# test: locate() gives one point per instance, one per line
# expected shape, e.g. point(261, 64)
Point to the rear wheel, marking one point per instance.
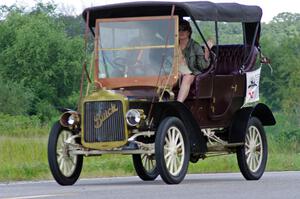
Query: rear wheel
point(145, 166)
point(252, 157)
point(172, 150)
point(65, 168)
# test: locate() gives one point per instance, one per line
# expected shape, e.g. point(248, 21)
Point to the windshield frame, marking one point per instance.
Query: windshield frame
point(140, 81)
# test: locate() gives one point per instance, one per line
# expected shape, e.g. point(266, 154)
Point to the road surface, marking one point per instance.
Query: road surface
point(272, 185)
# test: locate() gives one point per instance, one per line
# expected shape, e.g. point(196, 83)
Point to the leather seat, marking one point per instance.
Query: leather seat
point(230, 60)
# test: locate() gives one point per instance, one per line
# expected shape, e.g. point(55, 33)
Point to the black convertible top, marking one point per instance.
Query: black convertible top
point(200, 10)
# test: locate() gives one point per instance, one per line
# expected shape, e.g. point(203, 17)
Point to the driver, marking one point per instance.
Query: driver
point(192, 59)
point(141, 60)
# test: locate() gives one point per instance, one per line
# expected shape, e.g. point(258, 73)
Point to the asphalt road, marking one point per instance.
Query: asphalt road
point(273, 185)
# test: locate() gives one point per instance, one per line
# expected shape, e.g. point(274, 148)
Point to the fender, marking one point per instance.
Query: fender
point(240, 120)
point(63, 109)
point(178, 109)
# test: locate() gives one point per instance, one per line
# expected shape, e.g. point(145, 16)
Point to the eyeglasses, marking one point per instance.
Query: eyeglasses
point(182, 29)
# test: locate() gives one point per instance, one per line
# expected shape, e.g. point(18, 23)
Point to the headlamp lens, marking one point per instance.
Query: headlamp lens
point(133, 117)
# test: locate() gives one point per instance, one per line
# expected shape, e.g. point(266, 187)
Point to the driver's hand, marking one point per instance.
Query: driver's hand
point(210, 43)
point(138, 63)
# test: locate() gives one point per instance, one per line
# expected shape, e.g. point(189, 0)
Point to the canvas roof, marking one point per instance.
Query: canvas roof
point(200, 10)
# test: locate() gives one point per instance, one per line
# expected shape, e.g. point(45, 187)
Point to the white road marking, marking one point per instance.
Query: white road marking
point(36, 196)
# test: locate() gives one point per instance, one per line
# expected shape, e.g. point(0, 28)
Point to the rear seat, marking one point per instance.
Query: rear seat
point(229, 61)
point(232, 57)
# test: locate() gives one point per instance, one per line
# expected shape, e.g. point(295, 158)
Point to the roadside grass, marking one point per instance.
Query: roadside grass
point(108, 166)
point(22, 126)
point(23, 154)
point(276, 162)
point(25, 158)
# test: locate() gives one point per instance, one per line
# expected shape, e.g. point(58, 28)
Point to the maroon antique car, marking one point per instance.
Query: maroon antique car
point(132, 108)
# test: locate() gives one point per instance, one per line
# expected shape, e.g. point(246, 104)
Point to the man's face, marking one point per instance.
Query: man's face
point(183, 33)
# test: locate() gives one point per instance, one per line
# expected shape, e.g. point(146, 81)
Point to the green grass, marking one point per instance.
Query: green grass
point(25, 158)
point(21, 126)
point(108, 166)
point(276, 162)
point(23, 154)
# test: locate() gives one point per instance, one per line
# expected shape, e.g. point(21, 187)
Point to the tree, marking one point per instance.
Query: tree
point(281, 42)
point(15, 99)
point(35, 50)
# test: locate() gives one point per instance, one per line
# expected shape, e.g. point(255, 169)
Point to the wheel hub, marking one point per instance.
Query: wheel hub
point(252, 147)
point(173, 150)
point(66, 153)
point(66, 162)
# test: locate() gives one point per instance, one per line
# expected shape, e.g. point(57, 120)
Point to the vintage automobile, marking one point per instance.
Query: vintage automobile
point(132, 107)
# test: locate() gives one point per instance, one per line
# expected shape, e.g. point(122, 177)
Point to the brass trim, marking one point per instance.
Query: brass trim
point(100, 118)
point(212, 109)
point(105, 95)
point(234, 87)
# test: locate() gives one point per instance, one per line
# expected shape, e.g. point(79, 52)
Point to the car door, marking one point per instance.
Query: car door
point(228, 95)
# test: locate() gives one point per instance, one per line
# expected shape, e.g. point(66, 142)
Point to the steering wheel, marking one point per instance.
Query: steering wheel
point(120, 65)
point(124, 68)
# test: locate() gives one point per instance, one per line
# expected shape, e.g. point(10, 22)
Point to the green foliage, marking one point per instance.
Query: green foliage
point(15, 98)
point(5, 10)
point(35, 50)
point(48, 8)
point(281, 42)
point(285, 133)
point(228, 33)
point(74, 25)
point(21, 126)
point(46, 111)
point(282, 26)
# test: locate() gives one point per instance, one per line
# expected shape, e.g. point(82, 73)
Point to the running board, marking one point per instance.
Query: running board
point(222, 147)
point(102, 152)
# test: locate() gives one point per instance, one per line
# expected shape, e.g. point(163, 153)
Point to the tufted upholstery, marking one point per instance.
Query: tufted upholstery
point(232, 57)
point(229, 61)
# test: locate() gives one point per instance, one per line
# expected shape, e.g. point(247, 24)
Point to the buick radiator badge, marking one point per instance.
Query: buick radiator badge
point(101, 117)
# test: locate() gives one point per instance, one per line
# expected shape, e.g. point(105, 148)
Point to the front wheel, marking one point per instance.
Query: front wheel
point(65, 168)
point(172, 150)
point(252, 157)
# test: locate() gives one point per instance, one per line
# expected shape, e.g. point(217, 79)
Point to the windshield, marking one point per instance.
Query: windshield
point(141, 47)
